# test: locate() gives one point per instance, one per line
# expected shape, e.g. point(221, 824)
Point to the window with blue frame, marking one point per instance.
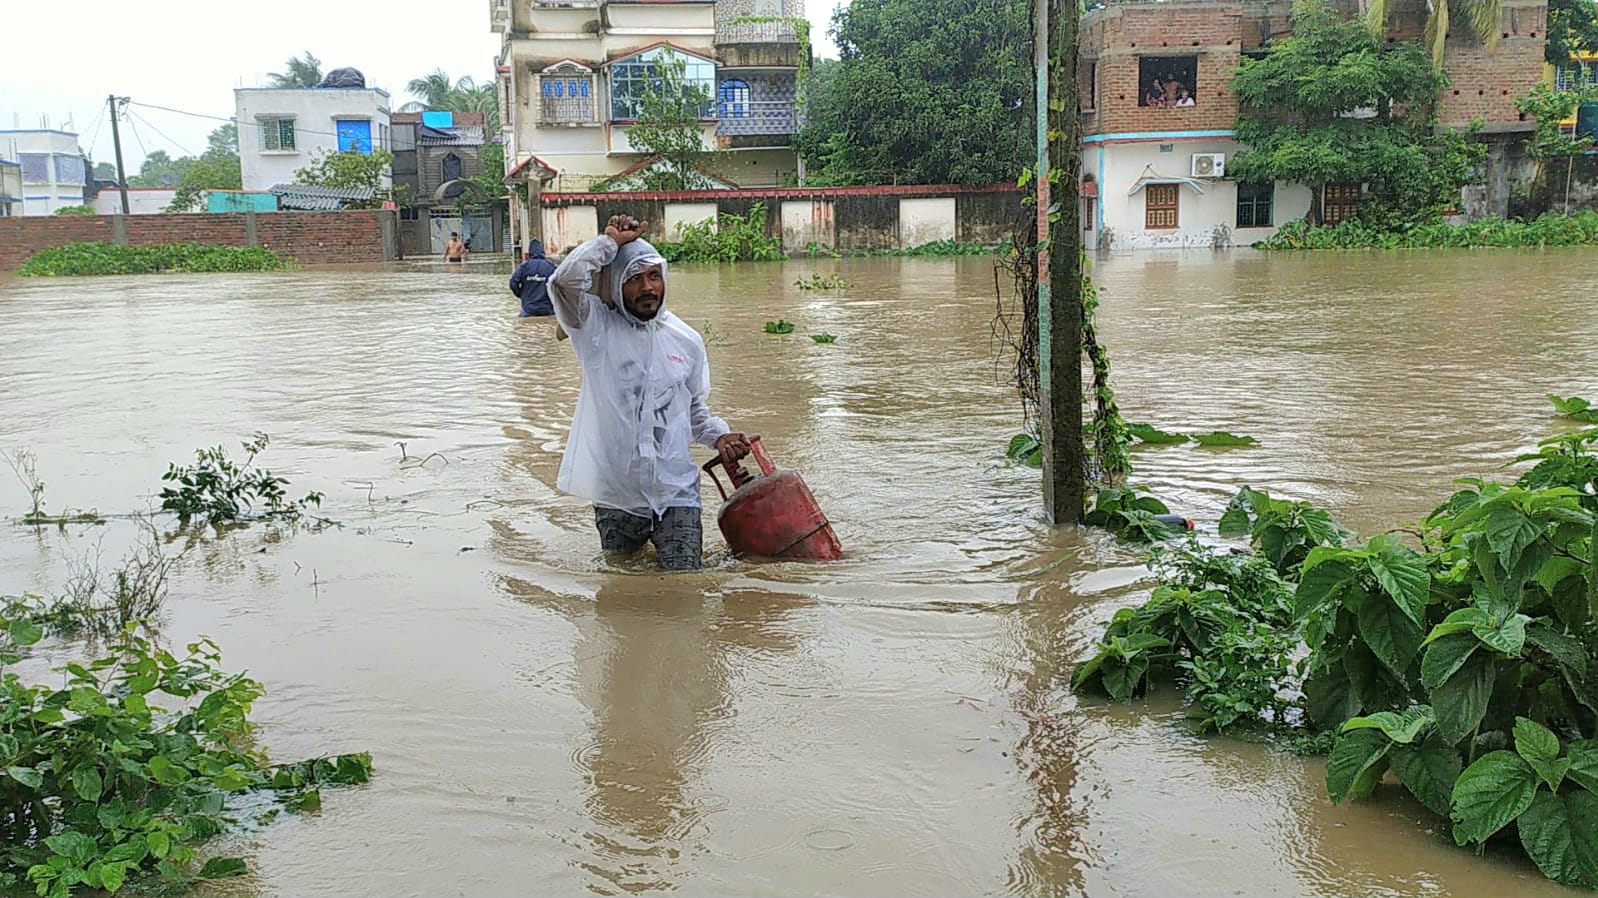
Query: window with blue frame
point(633, 78)
point(567, 91)
point(355, 135)
point(734, 99)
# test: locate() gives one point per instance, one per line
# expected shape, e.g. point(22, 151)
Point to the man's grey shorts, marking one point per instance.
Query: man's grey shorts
point(678, 535)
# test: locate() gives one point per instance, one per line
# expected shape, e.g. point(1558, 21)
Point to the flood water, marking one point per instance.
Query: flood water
point(896, 723)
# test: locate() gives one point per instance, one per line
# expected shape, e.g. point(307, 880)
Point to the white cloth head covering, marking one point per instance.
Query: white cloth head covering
point(631, 258)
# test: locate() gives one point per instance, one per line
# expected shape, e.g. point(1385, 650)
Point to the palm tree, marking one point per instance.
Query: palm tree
point(437, 91)
point(1480, 18)
point(433, 90)
point(305, 72)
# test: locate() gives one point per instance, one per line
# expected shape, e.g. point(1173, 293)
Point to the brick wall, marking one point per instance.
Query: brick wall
point(1216, 32)
point(310, 238)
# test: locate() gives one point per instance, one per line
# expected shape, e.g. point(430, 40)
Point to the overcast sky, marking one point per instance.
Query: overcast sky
point(190, 54)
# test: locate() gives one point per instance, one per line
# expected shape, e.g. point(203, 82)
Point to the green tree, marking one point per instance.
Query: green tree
point(159, 169)
point(105, 171)
point(925, 91)
point(1478, 17)
point(225, 139)
point(670, 125)
point(1331, 105)
point(437, 91)
point(1549, 107)
point(1572, 28)
point(213, 171)
point(350, 169)
point(299, 72)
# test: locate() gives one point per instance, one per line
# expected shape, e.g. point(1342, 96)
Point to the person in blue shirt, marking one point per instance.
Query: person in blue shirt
point(531, 282)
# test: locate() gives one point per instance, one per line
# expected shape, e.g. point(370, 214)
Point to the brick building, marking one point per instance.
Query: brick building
point(1158, 170)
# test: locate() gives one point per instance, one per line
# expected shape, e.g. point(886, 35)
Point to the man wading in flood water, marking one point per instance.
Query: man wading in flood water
point(645, 380)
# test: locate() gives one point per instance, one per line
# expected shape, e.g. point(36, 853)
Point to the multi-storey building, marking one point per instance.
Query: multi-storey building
point(1157, 116)
point(54, 171)
point(572, 75)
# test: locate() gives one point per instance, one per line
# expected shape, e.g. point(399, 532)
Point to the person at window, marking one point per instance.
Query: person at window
point(1171, 87)
point(1156, 94)
point(646, 379)
point(530, 281)
point(1183, 98)
point(455, 250)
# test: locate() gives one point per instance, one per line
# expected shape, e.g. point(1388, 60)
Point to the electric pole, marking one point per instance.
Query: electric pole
point(116, 141)
point(1059, 260)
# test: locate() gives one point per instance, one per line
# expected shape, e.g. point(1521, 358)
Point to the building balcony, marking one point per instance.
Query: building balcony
point(570, 111)
point(758, 119)
point(779, 31)
point(499, 15)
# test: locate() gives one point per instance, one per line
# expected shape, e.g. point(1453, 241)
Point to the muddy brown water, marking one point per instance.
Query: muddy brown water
point(893, 724)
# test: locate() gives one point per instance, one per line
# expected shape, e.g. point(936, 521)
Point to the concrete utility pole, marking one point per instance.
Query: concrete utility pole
point(116, 141)
point(1059, 166)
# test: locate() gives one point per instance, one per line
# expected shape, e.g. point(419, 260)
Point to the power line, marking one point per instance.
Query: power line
point(185, 150)
point(234, 121)
point(98, 121)
point(135, 131)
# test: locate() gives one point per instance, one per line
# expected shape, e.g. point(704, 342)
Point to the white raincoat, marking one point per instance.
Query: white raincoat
point(642, 403)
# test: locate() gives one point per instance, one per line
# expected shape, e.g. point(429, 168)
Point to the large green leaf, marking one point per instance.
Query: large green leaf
point(1321, 584)
point(1461, 701)
point(1491, 793)
point(1592, 572)
point(72, 844)
point(1508, 637)
point(1390, 634)
point(1560, 834)
point(25, 632)
point(1555, 570)
point(1403, 574)
point(1401, 728)
point(1445, 656)
point(1352, 769)
point(1535, 742)
point(1509, 532)
point(1148, 433)
point(220, 867)
point(1222, 438)
point(1583, 762)
point(27, 776)
point(1428, 771)
point(1462, 620)
point(1565, 650)
point(1234, 522)
point(1330, 699)
point(1377, 688)
point(1573, 405)
point(86, 782)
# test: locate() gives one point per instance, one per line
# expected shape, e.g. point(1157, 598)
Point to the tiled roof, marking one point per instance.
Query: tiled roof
point(318, 199)
point(458, 137)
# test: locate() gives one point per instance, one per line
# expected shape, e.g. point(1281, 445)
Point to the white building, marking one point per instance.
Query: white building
point(10, 188)
point(282, 130)
point(54, 169)
point(141, 200)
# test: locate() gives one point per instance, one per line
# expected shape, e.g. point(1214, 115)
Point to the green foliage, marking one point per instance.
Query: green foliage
point(1575, 408)
point(817, 282)
point(299, 72)
point(824, 338)
point(780, 326)
point(1148, 433)
point(1580, 229)
point(209, 172)
point(1572, 28)
point(104, 787)
point(76, 259)
point(217, 490)
point(437, 91)
point(1295, 120)
point(1550, 108)
point(671, 126)
point(936, 248)
point(159, 169)
point(74, 210)
point(1131, 514)
point(925, 92)
point(731, 238)
point(350, 168)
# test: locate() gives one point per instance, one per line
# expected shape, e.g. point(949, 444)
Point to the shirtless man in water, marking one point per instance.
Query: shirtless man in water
point(455, 250)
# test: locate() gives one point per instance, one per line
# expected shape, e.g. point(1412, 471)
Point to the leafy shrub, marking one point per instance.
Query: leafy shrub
point(102, 787)
point(1580, 229)
point(730, 238)
point(218, 490)
point(1575, 408)
point(1467, 666)
point(76, 259)
point(817, 282)
point(1130, 514)
point(80, 209)
point(824, 338)
point(1148, 433)
point(780, 326)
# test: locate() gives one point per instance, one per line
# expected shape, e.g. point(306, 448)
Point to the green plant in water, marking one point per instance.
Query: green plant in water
point(1147, 433)
point(1463, 664)
point(1025, 449)
point(824, 338)
point(1580, 229)
point(729, 238)
point(24, 463)
point(817, 282)
point(1575, 408)
point(76, 259)
point(102, 786)
point(1131, 514)
point(780, 326)
point(218, 490)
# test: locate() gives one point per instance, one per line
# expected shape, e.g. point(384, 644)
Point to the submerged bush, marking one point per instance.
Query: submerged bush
point(729, 238)
point(1580, 229)
point(108, 258)
point(1465, 663)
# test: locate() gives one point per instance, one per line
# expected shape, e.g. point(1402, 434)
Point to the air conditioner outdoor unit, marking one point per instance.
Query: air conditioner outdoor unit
point(1209, 165)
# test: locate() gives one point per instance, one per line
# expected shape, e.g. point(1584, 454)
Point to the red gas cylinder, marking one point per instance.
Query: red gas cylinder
point(772, 514)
